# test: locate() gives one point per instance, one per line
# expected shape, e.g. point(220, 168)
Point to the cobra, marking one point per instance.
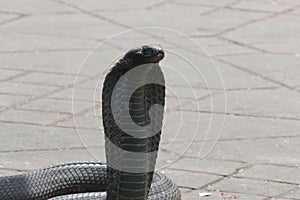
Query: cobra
point(132, 113)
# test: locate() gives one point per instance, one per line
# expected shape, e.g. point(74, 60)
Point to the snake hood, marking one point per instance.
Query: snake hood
point(131, 158)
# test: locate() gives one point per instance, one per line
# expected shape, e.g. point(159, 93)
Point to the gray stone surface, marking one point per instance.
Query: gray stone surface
point(22, 43)
point(183, 178)
point(36, 159)
point(213, 3)
point(9, 74)
point(269, 67)
point(269, 103)
point(25, 89)
point(48, 79)
point(53, 48)
point(251, 151)
point(79, 95)
point(261, 6)
point(272, 33)
point(43, 138)
point(252, 187)
point(32, 7)
point(207, 166)
point(56, 24)
point(31, 117)
point(293, 194)
point(219, 195)
point(8, 100)
point(274, 173)
point(58, 106)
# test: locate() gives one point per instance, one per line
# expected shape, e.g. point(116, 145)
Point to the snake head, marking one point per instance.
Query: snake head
point(145, 54)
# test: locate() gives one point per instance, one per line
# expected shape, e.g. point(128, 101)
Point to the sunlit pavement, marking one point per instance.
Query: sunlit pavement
point(246, 73)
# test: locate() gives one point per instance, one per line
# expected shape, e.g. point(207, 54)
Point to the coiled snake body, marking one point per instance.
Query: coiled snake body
point(129, 171)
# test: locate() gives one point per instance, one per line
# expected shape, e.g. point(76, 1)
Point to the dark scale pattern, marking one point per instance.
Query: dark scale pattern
point(162, 188)
point(54, 181)
point(126, 185)
point(72, 178)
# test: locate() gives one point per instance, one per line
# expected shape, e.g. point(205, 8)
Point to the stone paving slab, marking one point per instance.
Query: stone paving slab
point(34, 43)
point(251, 151)
point(48, 79)
point(207, 166)
point(274, 173)
point(9, 74)
point(79, 95)
point(65, 62)
point(213, 3)
point(32, 7)
point(294, 194)
point(57, 106)
point(252, 187)
point(235, 128)
point(46, 138)
point(5, 18)
point(37, 159)
point(219, 195)
point(8, 100)
point(31, 117)
point(295, 12)
point(114, 5)
point(56, 24)
point(262, 6)
point(195, 24)
point(85, 122)
point(241, 80)
point(278, 28)
point(269, 66)
point(25, 89)
point(166, 12)
point(182, 178)
point(213, 46)
point(273, 103)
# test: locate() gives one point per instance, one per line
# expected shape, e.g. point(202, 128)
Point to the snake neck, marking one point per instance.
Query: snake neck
point(131, 160)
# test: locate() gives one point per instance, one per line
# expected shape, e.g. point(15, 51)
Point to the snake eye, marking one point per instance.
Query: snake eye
point(139, 52)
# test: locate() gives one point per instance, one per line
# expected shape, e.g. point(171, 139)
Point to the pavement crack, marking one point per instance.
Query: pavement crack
point(252, 10)
point(44, 51)
point(15, 76)
point(73, 6)
point(14, 19)
point(157, 5)
point(225, 177)
point(14, 169)
point(45, 72)
point(257, 74)
point(242, 44)
point(243, 115)
point(266, 180)
point(59, 89)
point(257, 20)
point(216, 9)
point(51, 149)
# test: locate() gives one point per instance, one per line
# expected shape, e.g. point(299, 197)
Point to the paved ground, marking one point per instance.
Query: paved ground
point(255, 45)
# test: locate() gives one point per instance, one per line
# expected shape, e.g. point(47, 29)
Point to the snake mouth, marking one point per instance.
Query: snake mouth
point(158, 57)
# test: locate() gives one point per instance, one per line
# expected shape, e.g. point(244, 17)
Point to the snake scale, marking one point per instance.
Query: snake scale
point(129, 171)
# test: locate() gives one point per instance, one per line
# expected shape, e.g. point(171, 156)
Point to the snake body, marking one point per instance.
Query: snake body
point(111, 180)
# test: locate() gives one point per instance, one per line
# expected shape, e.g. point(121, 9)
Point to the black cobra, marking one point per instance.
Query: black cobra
point(111, 181)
